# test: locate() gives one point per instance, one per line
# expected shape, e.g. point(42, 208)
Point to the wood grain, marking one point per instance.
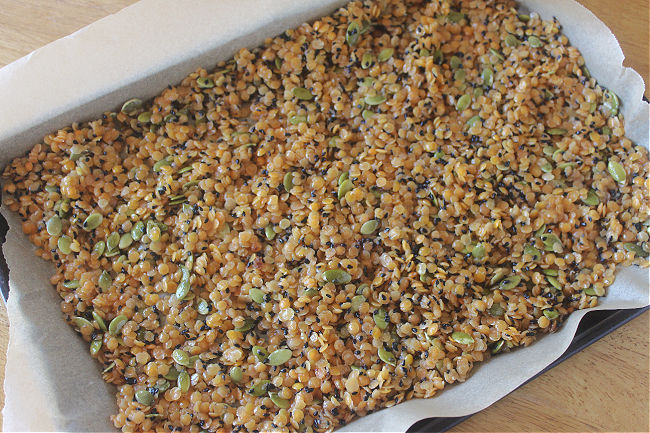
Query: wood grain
point(603, 388)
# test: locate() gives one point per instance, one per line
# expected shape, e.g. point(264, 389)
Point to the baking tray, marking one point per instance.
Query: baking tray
point(593, 327)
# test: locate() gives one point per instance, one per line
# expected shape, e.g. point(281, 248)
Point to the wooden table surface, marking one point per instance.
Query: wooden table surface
point(603, 388)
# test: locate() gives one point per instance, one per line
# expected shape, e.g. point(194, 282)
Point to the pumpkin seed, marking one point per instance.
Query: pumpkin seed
point(386, 356)
point(509, 283)
point(611, 102)
point(478, 251)
point(144, 397)
point(352, 33)
point(459, 75)
point(131, 106)
point(116, 324)
point(499, 274)
point(473, 121)
point(551, 314)
point(533, 252)
point(204, 83)
point(99, 321)
point(247, 326)
point(556, 131)
point(137, 231)
point(260, 388)
point(64, 243)
point(160, 164)
point(523, 18)
point(337, 276)
point(607, 130)
point(54, 226)
point(183, 289)
point(511, 41)
point(162, 385)
point(345, 187)
point(591, 199)
point(287, 182)
point(617, 171)
point(95, 347)
point(497, 54)
point(144, 117)
point(438, 57)
point(367, 115)
point(455, 17)
point(236, 374)
point(81, 322)
point(541, 230)
point(203, 307)
point(302, 94)
point(590, 291)
point(497, 347)
point(104, 282)
point(385, 54)
point(534, 41)
point(551, 272)
point(279, 356)
point(636, 249)
point(463, 102)
point(380, 318)
point(546, 166)
point(183, 381)
point(554, 282)
point(366, 60)
point(256, 295)
point(462, 337)
point(279, 401)
point(374, 99)
point(172, 374)
point(260, 353)
point(455, 62)
point(125, 241)
point(488, 77)
point(369, 227)
point(181, 357)
point(112, 241)
point(109, 367)
point(356, 301)
point(269, 232)
point(552, 243)
point(71, 284)
point(496, 310)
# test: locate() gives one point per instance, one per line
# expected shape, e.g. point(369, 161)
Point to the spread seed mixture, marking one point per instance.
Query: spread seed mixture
point(350, 216)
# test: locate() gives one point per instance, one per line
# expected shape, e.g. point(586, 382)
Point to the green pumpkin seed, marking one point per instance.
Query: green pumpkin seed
point(256, 295)
point(511, 41)
point(611, 102)
point(95, 347)
point(551, 314)
point(310, 292)
point(160, 164)
point(162, 385)
point(352, 33)
point(385, 54)
point(302, 94)
point(636, 249)
point(380, 318)
point(541, 230)
point(104, 282)
point(131, 106)
point(236, 374)
point(125, 241)
point(337, 276)
point(438, 57)
point(367, 60)
point(183, 289)
point(478, 92)
point(374, 99)
point(473, 121)
point(172, 374)
point(112, 241)
point(269, 232)
point(533, 252)
point(455, 62)
point(455, 17)
point(64, 243)
point(287, 182)
point(71, 284)
point(488, 77)
point(204, 83)
point(181, 357)
point(369, 227)
point(183, 381)
point(203, 307)
point(54, 226)
point(192, 361)
point(497, 347)
point(345, 187)
point(463, 102)
point(459, 75)
point(260, 353)
point(51, 188)
point(260, 388)
point(509, 283)
point(554, 282)
point(81, 322)
point(546, 166)
point(607, 130)
point(552, 243)
point(144, 117)
point(99, 321)
point(478, 251)
point(356, 301)
point(551, 272)
point(144, 397)
point(496, 310)
point(247, 326)
point(137, 231)
point(591, 199)
point(462, 337)
point(387, 356)
point(116, 324)
point(497, 54)
point(367, 115)
point(279, 401)
point(523, 18)
point(109, 368)
point(279, 356)
point(590, 291)
point(564, 165)
point(343, 177)
point(556, 131)
point(617, 171)
point(99, 248)
point(499, 274)
point(534, 41)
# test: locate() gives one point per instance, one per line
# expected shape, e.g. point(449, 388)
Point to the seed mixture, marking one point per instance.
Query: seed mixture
point(350, 216)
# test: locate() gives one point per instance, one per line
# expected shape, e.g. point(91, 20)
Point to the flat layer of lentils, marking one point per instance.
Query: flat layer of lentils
point(352, 215)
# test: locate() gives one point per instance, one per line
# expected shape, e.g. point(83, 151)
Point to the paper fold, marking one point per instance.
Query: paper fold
point(51, 382)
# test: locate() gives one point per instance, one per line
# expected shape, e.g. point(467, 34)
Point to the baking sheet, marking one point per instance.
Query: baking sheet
point(159, 41)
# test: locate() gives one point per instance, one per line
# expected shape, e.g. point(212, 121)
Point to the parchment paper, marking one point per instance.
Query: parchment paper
point(51, 383)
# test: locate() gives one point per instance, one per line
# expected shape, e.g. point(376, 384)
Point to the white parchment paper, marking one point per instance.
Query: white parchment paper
point(51, 383)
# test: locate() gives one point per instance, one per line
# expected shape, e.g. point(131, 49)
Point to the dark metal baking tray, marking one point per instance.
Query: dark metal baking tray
point(593, 326)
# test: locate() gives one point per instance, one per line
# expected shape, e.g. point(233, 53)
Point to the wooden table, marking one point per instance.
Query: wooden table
point(605, 387)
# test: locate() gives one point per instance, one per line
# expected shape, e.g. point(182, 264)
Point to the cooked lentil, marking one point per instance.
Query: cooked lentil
point(473, 216)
